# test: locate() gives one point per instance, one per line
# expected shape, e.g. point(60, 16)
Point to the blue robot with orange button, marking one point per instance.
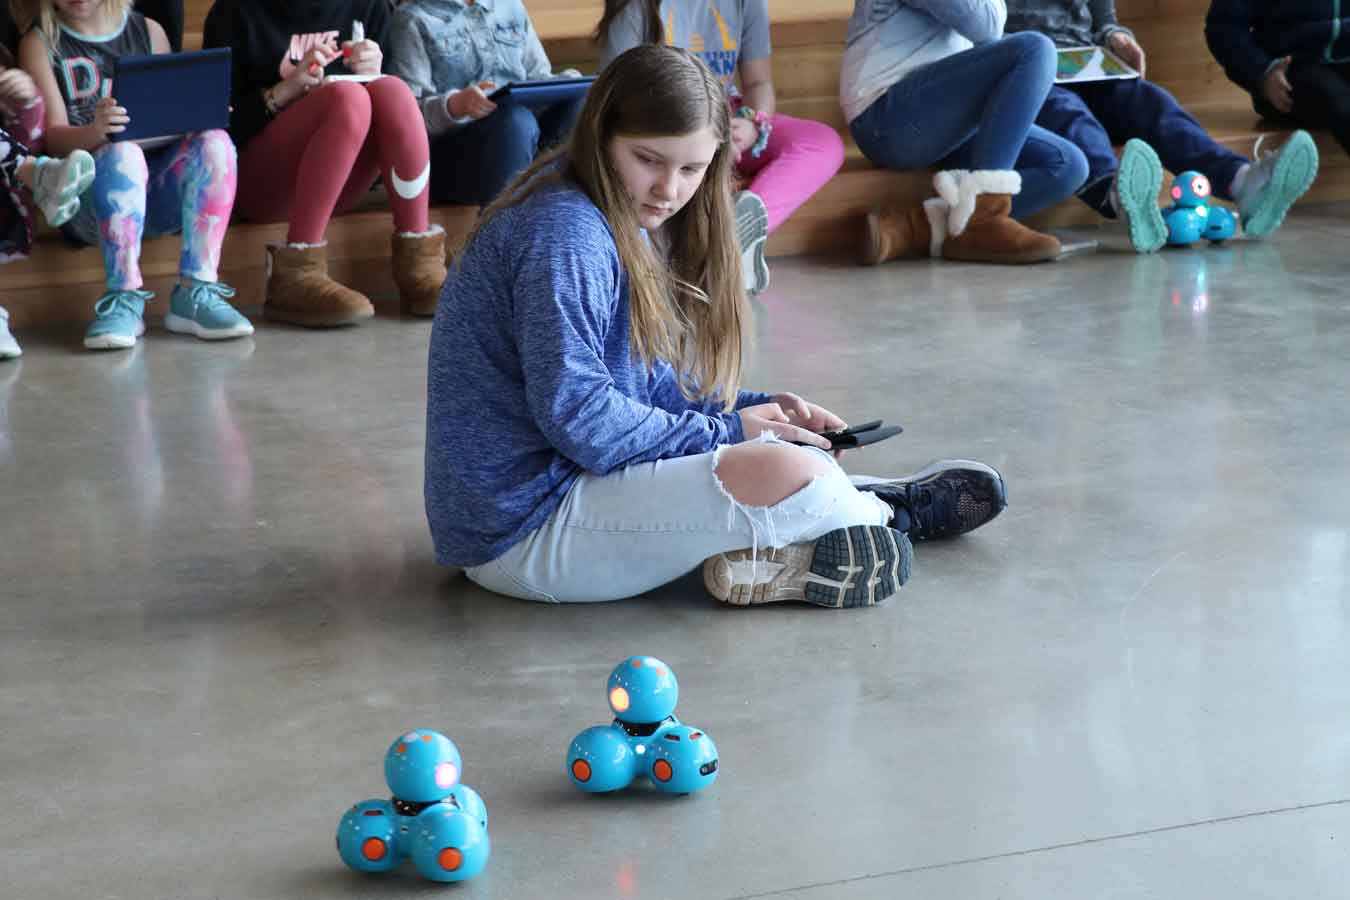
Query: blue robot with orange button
point(1191, 217)
point(645, 740)
point(431, 818)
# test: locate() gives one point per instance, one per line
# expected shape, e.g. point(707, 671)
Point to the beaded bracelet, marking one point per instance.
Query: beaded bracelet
point(763, 123)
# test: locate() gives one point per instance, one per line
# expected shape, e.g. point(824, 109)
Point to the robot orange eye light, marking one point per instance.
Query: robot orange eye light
point(401, 748)
point(373, 812)
point(1176, 193)
point(427, 738)
point(618, 700)
point(637, 663)
point(696, 735)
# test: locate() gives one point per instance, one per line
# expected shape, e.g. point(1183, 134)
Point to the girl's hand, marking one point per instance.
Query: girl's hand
point(771, 417)
point(363, 57)
point(1275, 85)
point(810, 416)
point(472, 102)
point(17, 90)
point(109, 118)
point(305, 76)
point(744, 133)
point(1128, 49)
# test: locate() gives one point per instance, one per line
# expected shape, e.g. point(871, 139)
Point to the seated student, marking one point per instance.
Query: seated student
point(1293, 57)
point(1095, 115)
point(452, 54)
point(780, 160)
point(187, 186)
point(54, 185)
point(935, 83)
point(310, 146)
point(168, 13)
point(586, 435)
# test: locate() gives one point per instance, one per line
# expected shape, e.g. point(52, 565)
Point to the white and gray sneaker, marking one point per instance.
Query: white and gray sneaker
point(9, 348)
point(752, 230)
point(1275, 180)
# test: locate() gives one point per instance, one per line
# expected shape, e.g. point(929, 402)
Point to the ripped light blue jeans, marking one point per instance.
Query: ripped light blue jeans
point(633, 530)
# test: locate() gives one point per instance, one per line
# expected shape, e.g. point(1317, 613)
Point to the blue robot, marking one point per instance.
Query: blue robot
point(433, 819)
point(1191, 217)
point(645, 740)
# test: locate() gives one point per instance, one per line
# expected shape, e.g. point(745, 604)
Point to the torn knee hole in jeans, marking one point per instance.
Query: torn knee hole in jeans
point(763, 528)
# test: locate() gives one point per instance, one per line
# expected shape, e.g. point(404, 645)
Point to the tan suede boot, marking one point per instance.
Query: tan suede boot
point(300, 292)
point(903, 233)
point(980, 227)
point(419, 270)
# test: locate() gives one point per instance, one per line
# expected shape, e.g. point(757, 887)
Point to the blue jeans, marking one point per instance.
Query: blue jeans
point(635, 529)
point(473, 163)
point(976, 110)
point(1099, 114)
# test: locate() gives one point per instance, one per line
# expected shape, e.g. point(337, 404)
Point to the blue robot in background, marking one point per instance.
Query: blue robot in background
point(433, 819)
point(1191, 217)
point(645, 740)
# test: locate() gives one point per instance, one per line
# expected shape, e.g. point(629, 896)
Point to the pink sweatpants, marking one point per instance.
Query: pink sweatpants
point(799, 158)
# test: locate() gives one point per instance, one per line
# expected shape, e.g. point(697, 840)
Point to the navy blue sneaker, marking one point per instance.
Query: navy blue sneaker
point(943, 499)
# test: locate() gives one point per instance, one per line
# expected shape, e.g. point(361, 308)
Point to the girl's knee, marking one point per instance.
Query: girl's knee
point(118, 162)
point(216, 150)
point(1036, 50)
point(390, 90)
point(348, 108)
point(765, 474)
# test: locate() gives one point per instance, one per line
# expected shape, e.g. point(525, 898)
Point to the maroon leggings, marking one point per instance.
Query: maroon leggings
point(323, 152)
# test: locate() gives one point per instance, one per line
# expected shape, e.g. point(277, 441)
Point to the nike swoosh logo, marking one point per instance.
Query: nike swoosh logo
point(410, 189)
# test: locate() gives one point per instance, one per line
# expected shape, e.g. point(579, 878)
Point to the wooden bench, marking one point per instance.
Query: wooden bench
point(60, 283)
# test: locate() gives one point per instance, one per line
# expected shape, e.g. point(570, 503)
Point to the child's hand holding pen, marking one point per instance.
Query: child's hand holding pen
point(306, 74)
point(361, 56)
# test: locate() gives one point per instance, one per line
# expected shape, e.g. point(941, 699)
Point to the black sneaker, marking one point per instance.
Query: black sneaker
point(943, 499)
point(848, 567)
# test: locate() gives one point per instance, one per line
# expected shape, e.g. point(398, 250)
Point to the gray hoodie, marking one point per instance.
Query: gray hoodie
point(1069, 23)
point(440, 47)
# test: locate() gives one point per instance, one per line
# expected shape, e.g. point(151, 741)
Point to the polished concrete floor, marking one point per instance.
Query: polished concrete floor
point(220, 606)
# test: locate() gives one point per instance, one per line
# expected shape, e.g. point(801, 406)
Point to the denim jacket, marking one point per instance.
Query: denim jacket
point(440, 47)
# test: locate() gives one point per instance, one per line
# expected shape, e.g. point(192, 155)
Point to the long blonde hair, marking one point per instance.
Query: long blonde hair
point(686, 299)
point(41, 14)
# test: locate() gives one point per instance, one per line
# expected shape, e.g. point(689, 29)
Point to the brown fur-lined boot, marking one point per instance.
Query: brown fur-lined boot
point(980, 227)
point(419, 269)
point(300, 292)
point(903, 233)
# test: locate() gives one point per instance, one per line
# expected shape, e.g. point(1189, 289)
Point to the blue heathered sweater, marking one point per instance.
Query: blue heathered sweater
point(531, 379)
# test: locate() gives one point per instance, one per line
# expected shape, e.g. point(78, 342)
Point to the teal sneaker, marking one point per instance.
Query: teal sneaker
point(58, 184)
point(1274, 182)
point(202, 310)
point(119, 320)
point(1138, 181)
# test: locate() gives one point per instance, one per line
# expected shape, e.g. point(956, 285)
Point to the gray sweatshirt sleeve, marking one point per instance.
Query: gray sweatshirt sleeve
point(1104, 22)
point(625, 33)
point(412, 64)
point(979, 21)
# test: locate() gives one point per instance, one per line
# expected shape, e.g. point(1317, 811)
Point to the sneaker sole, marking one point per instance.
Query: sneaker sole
point(1293, 175)
point(114, 341)
point(847, 568)
point(752, 230)
point(1138, 182)
point(10, 353)
point(181, 325)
